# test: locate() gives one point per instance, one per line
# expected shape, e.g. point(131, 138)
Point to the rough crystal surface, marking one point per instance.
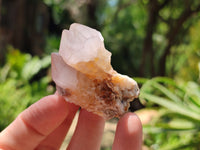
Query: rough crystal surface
point(84, 76)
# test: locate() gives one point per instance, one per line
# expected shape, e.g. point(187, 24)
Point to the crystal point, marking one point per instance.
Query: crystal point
point(84, 76)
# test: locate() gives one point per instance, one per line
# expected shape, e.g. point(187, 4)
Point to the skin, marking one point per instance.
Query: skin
point(44, 125)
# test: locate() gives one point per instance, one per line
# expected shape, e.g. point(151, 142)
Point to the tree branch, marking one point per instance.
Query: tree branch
point(148, 52)
point(175, 28)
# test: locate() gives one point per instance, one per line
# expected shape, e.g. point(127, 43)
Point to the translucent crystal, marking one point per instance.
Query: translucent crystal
point(84, 76)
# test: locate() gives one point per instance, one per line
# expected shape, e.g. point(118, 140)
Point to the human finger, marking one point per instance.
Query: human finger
point(88, 132)
point(54, 140)
point(128, 133)
point(35, 123)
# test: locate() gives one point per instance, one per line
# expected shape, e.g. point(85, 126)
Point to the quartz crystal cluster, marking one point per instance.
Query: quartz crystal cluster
point(84, 76)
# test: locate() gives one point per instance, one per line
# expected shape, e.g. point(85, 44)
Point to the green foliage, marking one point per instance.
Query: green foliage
point(124, 25)
point(106, 148)
point(184, 59)
point(52, 44)
point(58, 10)
point(123, 29)
point(179, 120)
point(18, 89)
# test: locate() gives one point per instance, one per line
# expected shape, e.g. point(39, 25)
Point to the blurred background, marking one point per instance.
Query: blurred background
point(157, 42)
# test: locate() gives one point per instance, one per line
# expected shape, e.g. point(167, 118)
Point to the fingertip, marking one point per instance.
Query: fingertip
point(129, 133)
point(134, 124)
point(131, 122)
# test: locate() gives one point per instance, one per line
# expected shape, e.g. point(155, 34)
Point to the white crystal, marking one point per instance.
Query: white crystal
point(83, 49)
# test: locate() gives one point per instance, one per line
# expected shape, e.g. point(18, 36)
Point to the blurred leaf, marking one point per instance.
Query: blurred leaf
point(4, 72)
point(46, 61)
point(167, 92)
point(178, 108)
point(140, 80)
point(180, 122)
point(31, 68)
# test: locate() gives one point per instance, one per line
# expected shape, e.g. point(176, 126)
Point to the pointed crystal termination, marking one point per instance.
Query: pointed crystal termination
point(84, 76)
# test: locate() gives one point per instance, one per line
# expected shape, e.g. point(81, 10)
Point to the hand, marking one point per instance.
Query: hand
point(44, 125)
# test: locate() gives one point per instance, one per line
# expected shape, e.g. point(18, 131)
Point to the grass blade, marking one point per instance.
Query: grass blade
point(180, 109)
point(167, 92)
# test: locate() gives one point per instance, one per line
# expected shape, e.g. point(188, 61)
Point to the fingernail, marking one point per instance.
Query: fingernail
point(130, 123)
point(133, 123)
